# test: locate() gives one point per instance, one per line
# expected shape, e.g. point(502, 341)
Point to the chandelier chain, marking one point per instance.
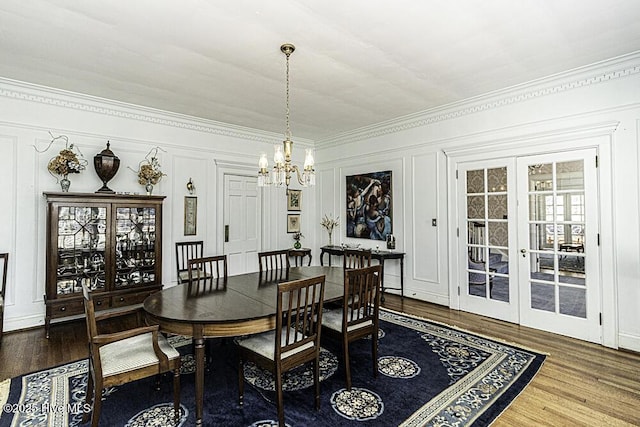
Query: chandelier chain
point(288, 132)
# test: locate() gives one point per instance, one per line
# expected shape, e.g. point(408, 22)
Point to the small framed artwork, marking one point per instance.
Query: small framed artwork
point(293, 223)
point(294, 200)
point(190, 215)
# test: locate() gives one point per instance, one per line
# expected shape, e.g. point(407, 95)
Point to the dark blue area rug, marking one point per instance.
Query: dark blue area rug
point(429, 374)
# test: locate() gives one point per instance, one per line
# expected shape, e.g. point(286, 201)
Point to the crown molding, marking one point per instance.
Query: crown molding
point(24, 91)
point(600, 72)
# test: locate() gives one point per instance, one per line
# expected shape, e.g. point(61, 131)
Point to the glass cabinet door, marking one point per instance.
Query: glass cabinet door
point(135, 250)
point(81, 248)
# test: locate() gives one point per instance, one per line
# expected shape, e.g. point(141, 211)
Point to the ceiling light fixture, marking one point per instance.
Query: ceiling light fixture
point(282, 157)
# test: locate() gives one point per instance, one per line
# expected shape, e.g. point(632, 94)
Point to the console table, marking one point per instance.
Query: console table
point(381, 256)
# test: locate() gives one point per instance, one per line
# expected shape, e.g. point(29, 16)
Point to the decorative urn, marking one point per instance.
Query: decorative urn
point(106, 164)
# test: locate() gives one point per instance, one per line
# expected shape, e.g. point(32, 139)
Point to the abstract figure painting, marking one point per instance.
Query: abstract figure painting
point(369, 210)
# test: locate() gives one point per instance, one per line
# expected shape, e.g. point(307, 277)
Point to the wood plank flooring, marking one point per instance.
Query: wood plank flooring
point(580, 384)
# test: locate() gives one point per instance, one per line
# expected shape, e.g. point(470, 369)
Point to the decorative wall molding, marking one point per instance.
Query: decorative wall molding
point(24, 91)
point(598, 73)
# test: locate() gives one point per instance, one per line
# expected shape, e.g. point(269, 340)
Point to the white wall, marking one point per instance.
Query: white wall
point(599, 100)
point(412, 147)
point(191, 148)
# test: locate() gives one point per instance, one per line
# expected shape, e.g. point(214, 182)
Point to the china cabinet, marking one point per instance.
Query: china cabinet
point(110, 242)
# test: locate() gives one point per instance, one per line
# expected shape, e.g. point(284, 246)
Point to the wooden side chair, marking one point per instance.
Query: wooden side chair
point(274, 260)
point(184, 252)
point(4, 266)
point(125, 356)
point(274, 265)
point(358, 316)
point(356, 258)
point(295, 341)
point(207, 274)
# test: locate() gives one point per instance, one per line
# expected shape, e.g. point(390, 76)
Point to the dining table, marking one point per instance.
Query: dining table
point(240, 305)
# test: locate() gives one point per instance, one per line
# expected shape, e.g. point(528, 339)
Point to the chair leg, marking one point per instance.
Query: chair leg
point(279, 399)
point(240, 382)
point(88, 398)
point(374, 352)
point(347, 365)
point(316, 380)
point(97, 406)
point(176, 394)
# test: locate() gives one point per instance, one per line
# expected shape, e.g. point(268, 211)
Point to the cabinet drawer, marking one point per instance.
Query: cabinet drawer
point(101, 303)
point(67, 308)
point(128, 299)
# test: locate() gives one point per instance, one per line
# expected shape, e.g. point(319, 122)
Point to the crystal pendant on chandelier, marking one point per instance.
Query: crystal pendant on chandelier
point(282, 157)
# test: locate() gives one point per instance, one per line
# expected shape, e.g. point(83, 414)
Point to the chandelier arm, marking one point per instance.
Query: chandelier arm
point(298, 174)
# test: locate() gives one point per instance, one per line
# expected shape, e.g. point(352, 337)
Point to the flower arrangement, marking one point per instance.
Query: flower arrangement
point(329, 224)
point(69, 160)
point(149, 171)
point(297, 236)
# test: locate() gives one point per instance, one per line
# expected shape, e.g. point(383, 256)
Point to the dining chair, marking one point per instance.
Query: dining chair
point(295, 340)
point(356, 258)
point(207, 274)
point(274, 265)
point(4, 266)
point(184, 252)
point(358, 316)
point(125, 356)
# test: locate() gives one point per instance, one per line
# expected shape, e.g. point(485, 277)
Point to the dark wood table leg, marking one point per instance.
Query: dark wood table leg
point(199, 350)
point(402, 277)
point(310, 256)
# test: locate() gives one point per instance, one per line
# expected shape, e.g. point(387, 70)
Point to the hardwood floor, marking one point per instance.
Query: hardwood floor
point(580, 384)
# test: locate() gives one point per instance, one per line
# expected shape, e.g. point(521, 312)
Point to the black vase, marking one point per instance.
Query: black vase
point(106, 164)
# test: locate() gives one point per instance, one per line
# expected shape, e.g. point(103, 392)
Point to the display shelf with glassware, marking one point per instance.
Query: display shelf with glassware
point(111, 243)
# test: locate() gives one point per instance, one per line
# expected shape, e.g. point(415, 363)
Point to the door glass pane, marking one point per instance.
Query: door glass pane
point(572, 301)
point(543, 296)
point(497, 180)
point(487, 234)
point(475, 181)
point(570, 175)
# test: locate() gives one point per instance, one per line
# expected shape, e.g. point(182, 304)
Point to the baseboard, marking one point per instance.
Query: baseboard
point(629, 342)
point(23, 322)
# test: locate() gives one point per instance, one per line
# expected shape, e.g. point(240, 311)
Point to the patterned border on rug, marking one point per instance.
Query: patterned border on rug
point(466, 400)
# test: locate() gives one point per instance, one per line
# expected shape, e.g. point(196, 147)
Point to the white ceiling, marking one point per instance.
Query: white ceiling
point(357, 62)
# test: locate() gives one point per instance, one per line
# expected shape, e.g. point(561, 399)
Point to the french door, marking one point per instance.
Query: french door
point(528, 241)
point(558, 238)
point(487, 238)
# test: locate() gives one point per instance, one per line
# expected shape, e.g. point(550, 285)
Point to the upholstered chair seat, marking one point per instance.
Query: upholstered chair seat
point(133, 353)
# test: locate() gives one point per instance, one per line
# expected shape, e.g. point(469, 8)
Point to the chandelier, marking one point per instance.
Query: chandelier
point(282, 158)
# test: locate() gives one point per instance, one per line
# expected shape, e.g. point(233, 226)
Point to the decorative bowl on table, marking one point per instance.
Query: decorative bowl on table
point(352, 245)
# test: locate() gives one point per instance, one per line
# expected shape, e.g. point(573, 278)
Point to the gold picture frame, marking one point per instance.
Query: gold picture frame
point(190, 215)
point(293, 223)
point(294, 200)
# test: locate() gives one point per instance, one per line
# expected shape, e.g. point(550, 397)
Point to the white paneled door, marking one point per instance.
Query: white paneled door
point(241, 223)
point(528, 241)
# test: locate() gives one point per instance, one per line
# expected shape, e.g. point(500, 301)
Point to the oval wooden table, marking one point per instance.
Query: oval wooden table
point(246, 305)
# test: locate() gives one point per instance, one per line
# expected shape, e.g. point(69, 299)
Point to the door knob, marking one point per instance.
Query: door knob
point(523, 252)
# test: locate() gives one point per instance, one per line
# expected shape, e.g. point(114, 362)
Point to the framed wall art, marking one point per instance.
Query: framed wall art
point(369, 207)
point(190, 215)
point(293, 223)
point(294, 200)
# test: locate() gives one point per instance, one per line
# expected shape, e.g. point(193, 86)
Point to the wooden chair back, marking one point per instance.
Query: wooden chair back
point(4, 266)
point(274, 260)
point(184, 252)
point(356, 258)
point(207, 274)
point(295, 341)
